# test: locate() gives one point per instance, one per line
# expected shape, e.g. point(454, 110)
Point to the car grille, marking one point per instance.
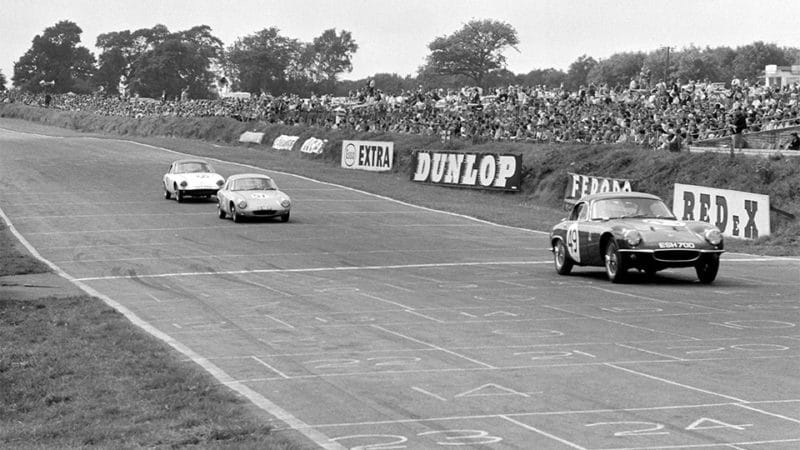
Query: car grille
point(676, 255)
point(264, 212)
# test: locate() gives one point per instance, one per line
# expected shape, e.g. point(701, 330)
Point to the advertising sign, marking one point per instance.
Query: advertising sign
point(375, 156)
point(284, 142)
point(579, 185)
point(737, 214)
point(472, 170)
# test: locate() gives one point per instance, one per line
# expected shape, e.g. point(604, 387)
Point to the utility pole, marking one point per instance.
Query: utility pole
point(666, 67)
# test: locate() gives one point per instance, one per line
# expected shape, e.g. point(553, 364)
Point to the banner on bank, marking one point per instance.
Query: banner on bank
point(313, 146)
point(580, 185)
point(737, 214)
point(284, 142)
point(375, 156)
point(472, 170)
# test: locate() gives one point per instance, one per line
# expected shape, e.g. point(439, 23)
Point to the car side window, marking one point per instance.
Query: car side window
point(583, 213)
point(578, 212)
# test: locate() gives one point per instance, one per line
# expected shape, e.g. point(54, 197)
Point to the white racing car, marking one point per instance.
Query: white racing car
point(191, 178)
point(252, 195)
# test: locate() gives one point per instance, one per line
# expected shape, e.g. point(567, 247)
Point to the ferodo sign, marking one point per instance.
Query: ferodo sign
point(580, 185)
point(736, 214)
point(474, 170)
point(374, 156)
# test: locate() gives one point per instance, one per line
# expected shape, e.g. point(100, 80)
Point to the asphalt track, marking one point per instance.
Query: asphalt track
point(368, 323)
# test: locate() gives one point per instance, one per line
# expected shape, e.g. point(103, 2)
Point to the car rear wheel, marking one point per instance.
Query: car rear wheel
point(561, 259)
point(235, 214)
point(707, 269)
point(220, 211)
point(285, 217)
point(615, 267)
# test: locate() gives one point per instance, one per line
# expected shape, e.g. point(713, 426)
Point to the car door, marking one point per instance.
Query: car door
point(577, 225)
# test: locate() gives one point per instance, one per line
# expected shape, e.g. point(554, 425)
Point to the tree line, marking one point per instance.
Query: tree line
point(155, 62)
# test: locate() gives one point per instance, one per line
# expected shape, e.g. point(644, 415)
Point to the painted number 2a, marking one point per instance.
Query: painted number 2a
point(637, 428)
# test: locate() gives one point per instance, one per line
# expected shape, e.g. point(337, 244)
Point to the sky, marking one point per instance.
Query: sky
point(393, 35)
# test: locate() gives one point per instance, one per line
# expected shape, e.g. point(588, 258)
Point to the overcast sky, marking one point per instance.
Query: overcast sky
point(393, 35)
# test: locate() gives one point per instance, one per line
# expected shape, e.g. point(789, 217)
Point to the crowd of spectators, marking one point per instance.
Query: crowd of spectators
point(661, 116)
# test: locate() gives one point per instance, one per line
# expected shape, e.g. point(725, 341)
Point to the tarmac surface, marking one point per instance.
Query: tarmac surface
point(373, 324)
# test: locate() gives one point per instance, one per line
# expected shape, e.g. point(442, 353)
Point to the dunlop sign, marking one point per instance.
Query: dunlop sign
point(737, 214)
point(374, 156)
point(474, 170)
point(580, 185)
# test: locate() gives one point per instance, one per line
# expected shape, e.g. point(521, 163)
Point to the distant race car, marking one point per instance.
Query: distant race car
point(252, 195)
point(623, 230)
point(191, 178)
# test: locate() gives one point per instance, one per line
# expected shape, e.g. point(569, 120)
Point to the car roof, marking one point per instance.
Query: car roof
point(605, 195)
point(248, 175)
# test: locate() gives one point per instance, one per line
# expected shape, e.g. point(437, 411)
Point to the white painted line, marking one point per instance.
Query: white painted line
point(543, 433)
point(674, 383)
point(398, 287)
point(279, 321)
point(125, 230)
point(383, 300)
point(475, 361)
point(277, 291)
point(617, 322)
point(264, 363)
point(256, 398)
point(109, 215)
point(612, 291)
point(758, 410)
point(650, 352)
point(424, 316)
point(315, 269)
point(431, 394)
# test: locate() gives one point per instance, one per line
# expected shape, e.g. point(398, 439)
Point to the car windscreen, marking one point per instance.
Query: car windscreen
point(253, 184)
point(193, 167)
point(616, 208)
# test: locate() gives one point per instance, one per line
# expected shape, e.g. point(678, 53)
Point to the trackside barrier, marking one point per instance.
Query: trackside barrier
point(763, 152)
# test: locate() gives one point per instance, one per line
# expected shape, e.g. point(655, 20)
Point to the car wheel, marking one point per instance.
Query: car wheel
point(220, 211)
point(707, 269)
point(562, 260)
point(179, 195)
point(615, 267)
point(167, 195)
point(285, 217)
point(235, 214)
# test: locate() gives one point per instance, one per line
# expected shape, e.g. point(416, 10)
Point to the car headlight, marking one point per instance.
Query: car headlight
point(286, 203)
point(184, 183)
point(242, 204)
point(713, 236)
point(220, 183)
point(633, 238)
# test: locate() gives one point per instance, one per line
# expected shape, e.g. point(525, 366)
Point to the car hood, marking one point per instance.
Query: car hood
point(664, 230)
point(261, 198)
point(199, 178)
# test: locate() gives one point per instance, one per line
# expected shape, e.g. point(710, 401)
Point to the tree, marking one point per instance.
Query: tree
point(546, 77)
point(617, 70)
point(474, 51)
point(154, 60)
point(55, 56)
point(264, 61)
point(2, 81)
point(329, 55)
point(750, 59)
point(579, 71)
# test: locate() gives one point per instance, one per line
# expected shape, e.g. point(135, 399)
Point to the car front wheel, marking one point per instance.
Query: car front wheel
point(561, 259)
point(167, 195)
point(235, 214)
point(707, 269)
point(285, 217)
point(220, 211)
point(615, 267)
point(179, 195)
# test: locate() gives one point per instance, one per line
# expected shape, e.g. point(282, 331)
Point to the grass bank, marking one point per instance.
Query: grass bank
point(539, 204)
point(76, 373)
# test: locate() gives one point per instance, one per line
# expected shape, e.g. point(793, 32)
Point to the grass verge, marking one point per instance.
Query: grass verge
point(75, 372)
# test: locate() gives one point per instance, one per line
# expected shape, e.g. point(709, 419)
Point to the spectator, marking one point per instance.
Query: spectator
point(794, 142)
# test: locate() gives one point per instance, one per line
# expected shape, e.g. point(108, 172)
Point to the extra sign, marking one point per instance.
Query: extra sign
point(374, 156)
point(737, 214)
point(474, 170)
point(581, 185)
